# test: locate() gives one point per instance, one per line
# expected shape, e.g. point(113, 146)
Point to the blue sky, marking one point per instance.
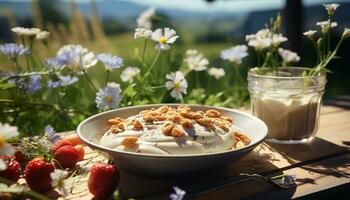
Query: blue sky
point(218, 5)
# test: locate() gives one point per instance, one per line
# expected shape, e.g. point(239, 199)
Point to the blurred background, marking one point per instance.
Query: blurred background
point(207, 25)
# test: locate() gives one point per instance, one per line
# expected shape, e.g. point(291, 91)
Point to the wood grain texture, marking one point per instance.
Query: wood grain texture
point(319, 165)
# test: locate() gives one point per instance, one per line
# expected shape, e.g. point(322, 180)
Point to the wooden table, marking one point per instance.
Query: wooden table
point(322, 168)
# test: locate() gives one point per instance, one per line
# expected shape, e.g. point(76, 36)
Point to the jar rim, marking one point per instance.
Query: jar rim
point(252, 73)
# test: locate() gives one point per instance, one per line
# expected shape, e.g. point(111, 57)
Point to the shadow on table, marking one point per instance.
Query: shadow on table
point(307, 155)
point(222, 183)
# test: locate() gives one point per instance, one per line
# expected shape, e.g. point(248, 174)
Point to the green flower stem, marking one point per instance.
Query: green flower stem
point(236, 69)
point(15, 63)
point(197, 80)
point(152, 65)
point(26, 103)
point(89, 80)
point(107, 76)
point(25, 75)
point(144, 51)
point(157, 87)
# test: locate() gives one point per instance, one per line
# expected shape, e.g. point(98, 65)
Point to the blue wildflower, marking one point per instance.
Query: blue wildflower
point(178, 195)
point(31, 83)
point(62, 81)
point(110, 61)
point(109, 96)
point(13, 50)
point(51, 134)
point(76, 57)
point(54, 63)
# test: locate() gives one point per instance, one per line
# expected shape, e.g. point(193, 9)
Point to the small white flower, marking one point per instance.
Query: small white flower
point(216, 72)
point(76, 57)
point(325, 25)
point(108, 97)
point(25, 31)
point(261, 40)
point(177, 83)
point(331, 8)
point(3, 165)
point(277, 39)
point(260, 44)
point(42, 35)
point(309, 33)
point(110, 61)
point(142, 33)
point(129, 73)
point(288, 56)
point(235, 54)
point(196, 61)
point(145, 18)
point(346, 33)
point(191, 52)
point(7, 132)
point(164, 37)
point(60, 181)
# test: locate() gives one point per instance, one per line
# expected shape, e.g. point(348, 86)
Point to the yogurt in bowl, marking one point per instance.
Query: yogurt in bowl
point(174, 131)
point(167, 161)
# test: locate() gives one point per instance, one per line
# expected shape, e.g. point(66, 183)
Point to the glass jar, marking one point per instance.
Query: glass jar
point(288, 102)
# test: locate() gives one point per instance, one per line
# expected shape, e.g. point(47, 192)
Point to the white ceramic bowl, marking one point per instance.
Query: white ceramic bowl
point(91, 129)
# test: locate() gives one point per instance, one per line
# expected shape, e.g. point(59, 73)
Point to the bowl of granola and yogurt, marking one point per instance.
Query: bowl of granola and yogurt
point(172, 138)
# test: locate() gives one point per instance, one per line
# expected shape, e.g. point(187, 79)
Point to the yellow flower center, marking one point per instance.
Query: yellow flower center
point(2, 141)
point(177, 85)
point(162, 40)
point(109, 99)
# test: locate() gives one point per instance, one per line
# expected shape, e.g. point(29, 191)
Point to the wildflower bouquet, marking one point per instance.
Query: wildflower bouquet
point(266, 44)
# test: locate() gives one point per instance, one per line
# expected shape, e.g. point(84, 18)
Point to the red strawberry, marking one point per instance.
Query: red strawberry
point(103, 180)
point(37, 174)
point(20, 157)
point(13, 170)
point(67, 156)
point(81, 151)
point(59, 144)
point(74, 139)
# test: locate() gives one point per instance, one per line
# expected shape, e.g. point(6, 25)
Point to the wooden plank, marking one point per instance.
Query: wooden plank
point(311, 178)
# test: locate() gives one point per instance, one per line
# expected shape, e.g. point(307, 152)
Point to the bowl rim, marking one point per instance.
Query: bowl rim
point(109, 150)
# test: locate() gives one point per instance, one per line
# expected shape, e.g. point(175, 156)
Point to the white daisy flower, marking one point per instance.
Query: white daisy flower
point(145, 18)
point(235, 54)
point(108, 97)
point(216, 72)
point(129, 73)
point(331, 8)
point(325, 25)
point(142, 33)
point(42, 35)
point(277, 39)
point(196, 61)
point(76, 57)
point(177, 83)
point(164, 37)
point(7, 132)
point(60, 181)
point(310, 33)
point(21, 31)
point(346, 33)
point(288, 56)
